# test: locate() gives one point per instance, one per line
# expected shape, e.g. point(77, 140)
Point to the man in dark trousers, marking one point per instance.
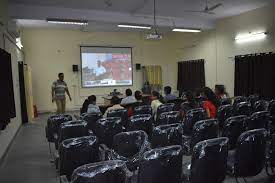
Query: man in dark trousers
point(59, 88)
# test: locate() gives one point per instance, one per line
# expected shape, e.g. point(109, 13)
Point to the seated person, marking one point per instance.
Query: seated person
point(129, 98)
point(211, 103)
point(188, 105)
point(168, 96)
point(85, 105)
point(115, 102)
point(92, 107)
point(220, 92)
point(138, 96)
point(156, 97)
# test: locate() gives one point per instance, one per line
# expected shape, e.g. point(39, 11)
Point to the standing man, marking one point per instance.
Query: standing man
point(59, 88)
point(100, 69)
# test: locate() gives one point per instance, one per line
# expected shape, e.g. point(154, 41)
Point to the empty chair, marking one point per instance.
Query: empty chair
point(91, 119)
point(142, 122)
point(260, 105)
point(73, 129)
point(202, 130)
point(239, 99)
point(208, 162)
point(161, 165)
point(144, 109)
point(249, 157)
point(76, 152)
point(107, 128)
point(168, 118)
point(252, 99)
point(164, 108)
point(243, 108)
point(191, 117)
point(101, 172)
point(233, 128)
point(53, 124)
point(224, 112)
point(129, 147)
point(258, 120)
point(225, 101)
point(167, 135)
point(122, 113)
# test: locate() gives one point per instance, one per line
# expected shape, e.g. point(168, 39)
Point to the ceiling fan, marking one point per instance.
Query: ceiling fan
point(207, 9)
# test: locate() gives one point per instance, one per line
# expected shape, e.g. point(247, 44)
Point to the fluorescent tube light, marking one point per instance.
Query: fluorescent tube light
point(250, 37)
point(67, 21)
point(185, 30)
point(134, 26)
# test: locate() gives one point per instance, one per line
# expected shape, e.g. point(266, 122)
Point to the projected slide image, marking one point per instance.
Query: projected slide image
point(106, 69)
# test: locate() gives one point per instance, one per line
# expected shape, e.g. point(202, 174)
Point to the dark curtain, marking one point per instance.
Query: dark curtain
point(24, 112)
point(191, 75)
point(7, 107)
point(254, 74)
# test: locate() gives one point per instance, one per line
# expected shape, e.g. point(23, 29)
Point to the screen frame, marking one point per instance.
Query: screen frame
point(131, 48)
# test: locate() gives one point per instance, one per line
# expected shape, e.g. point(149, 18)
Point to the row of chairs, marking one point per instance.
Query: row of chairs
point(210, 162)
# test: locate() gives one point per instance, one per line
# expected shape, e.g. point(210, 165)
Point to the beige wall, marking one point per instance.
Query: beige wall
point(51, 51)
point(218, 46)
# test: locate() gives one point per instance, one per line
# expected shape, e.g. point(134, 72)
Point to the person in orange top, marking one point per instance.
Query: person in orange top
point(211, 103)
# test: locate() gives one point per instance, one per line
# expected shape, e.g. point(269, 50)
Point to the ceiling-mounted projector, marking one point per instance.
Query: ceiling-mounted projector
point(153, 36)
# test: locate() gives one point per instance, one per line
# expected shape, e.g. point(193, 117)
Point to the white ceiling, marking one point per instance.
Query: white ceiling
point(105, 14)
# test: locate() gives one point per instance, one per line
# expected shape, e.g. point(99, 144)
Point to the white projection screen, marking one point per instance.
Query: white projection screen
point(106, 66)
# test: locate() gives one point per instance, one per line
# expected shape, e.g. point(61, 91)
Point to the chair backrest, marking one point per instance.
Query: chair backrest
point(122, 113)
point(168, 118)
point(250, 153)
point(91, 119)
point(271, 151)
point(142, 122)
point(225, 101)
point(258, 120)
point(76, 152)
point(144, 109)
point(114, 171)
point(107, 128)
point(260, 105)
point(203, 130)
point(233, 128)
point(177, 103)
point(253, 98)
point(130, 144)
point(239, 99)
point(243, 108)
point(224, 112)
point(167, 135)
point(164, 108)
point(54, 122)
point(191, 117)
point(209, 160)
point(72, 129)
point(161, 165)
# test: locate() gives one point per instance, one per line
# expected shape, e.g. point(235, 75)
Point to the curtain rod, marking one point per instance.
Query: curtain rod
point(198, 60)
point(252, 54)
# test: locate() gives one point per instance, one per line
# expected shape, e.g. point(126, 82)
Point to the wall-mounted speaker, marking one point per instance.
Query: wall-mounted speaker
point(75, 68)
point(138, 67)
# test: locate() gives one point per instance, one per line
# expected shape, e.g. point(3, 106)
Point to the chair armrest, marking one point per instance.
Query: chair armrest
point(186, 144)
point(56, 159)
point(91, 133)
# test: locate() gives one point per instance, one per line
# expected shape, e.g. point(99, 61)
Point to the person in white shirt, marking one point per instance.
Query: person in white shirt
point(92, 107)
point(115, 102)
point(100, 69)
point(129, 99)
point(155, 102)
